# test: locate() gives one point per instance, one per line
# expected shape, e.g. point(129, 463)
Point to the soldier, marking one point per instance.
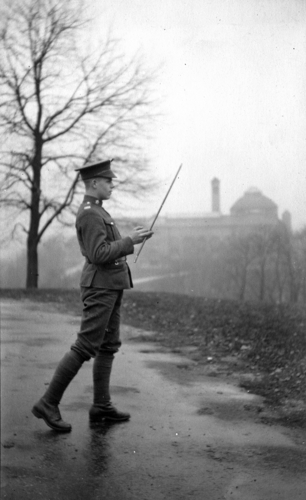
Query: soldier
point(104, 277)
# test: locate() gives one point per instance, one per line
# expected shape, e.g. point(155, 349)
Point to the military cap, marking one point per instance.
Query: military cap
point(101, 169)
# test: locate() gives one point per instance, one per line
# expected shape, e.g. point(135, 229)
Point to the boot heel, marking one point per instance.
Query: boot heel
point(36, 413)
point(51, 415)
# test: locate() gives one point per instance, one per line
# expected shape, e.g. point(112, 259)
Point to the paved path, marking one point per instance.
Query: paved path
point(188, 437)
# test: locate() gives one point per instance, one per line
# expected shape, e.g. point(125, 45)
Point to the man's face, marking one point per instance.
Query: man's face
point(104, 187)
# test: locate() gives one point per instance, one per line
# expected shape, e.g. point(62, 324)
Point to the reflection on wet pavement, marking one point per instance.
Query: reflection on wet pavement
point(188, 437)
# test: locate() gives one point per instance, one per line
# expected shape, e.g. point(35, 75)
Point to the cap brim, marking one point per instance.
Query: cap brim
point(108, 175)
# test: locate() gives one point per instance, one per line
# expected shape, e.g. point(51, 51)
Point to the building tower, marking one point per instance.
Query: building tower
point(215, 195)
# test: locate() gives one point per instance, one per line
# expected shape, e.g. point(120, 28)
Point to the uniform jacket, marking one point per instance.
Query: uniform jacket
point(103, 248)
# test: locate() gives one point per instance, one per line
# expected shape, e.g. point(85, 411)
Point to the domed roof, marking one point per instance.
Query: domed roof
point(253, 201)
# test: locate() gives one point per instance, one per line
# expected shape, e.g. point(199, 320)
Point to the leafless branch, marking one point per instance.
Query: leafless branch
point(61, 108)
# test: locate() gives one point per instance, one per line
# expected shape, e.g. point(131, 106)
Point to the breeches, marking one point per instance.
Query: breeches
point(100, 324)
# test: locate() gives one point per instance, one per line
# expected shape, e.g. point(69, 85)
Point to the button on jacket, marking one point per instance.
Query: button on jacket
point(103, 248)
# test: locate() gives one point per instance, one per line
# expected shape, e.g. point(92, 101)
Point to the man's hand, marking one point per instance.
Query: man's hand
point(140, 234)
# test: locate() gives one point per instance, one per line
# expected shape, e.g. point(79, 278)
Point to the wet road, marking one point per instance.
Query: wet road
point(189, 436)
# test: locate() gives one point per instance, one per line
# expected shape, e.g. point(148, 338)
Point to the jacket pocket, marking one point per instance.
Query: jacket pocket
point(87, 277)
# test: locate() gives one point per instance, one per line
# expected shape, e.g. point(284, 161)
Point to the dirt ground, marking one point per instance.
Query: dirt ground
point(194, 432)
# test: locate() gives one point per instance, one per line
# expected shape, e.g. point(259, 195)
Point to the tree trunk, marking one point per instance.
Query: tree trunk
point(243, 284)
point(32, 263)
point(33, 234)
point(262, 281)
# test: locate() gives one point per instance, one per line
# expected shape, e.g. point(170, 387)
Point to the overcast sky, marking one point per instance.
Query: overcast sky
point(233, 86)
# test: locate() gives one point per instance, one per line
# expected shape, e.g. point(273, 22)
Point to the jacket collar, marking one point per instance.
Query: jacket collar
point(91, 199)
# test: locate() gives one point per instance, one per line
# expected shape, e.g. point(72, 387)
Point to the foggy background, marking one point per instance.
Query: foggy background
point(231, 88)
point(232, 84)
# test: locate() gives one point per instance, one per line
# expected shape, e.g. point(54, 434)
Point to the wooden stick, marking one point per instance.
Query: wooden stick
point(155, 218)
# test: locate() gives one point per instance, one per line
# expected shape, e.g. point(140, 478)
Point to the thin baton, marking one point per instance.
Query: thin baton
point(158, 211)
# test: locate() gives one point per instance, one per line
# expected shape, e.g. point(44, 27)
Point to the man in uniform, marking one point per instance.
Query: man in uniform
point(104, 277)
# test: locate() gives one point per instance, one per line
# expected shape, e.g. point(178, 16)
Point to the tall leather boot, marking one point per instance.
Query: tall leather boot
point(47, 407)
point(102, 408)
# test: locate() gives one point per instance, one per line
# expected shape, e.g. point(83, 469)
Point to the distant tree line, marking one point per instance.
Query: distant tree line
point(267, 265)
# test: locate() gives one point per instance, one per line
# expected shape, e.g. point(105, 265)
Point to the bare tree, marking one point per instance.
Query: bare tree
point(61, 107)
point(264, 247)
point(295, 266)
point(237, 260)
point(268, 264)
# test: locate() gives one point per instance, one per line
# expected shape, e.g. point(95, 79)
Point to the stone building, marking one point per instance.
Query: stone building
point(253, 210)
point(183, 245)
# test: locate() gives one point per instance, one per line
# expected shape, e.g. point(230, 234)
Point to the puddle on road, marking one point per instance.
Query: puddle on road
point(167, 450)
